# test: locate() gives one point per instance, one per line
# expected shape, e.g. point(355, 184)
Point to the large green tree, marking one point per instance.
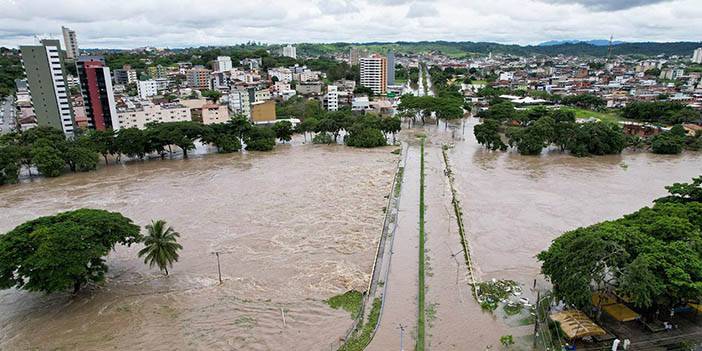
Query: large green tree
point(653, 256)
point(487, 133)
point(64, 251)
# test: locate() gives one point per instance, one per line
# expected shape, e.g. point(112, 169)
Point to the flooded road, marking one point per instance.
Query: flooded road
point(294, 227)
point(455, 319)
point(400, 300)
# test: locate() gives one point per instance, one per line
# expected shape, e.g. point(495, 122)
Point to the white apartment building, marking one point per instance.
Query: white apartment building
point(290, 51)
point(507, 76)
point(147, 88)
point(138, 117)
point(374, 73)
point(239, 102)
point(222, 64)
point(283, 74)
point(360, 103)
point(697, 56)
point(331, 99)
point(70, 42)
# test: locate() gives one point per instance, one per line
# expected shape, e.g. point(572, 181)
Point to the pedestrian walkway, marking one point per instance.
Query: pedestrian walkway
point(400, 306)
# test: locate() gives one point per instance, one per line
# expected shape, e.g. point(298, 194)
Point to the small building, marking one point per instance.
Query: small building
point(309, 88)
point(640, 129)
point(263, 111)
point(213, 113)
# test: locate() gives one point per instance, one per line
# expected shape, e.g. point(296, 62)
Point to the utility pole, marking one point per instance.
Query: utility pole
point(219, 269)
point(402, 334)
point(536, 320)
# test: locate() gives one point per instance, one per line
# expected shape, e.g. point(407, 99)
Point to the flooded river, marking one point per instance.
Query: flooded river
point(515, 205)
point(294, 227)
point(299, 225)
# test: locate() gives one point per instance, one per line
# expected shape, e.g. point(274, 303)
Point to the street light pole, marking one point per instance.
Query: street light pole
point(219, 269)
point(402, 334)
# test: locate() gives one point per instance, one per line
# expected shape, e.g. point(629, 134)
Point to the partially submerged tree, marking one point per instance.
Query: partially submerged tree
point(64, 251)
point(160, 245)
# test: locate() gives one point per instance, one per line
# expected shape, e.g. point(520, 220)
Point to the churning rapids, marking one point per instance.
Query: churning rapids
point(293, 228)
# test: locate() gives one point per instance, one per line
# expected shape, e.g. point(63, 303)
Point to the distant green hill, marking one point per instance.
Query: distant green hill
point(459, 49)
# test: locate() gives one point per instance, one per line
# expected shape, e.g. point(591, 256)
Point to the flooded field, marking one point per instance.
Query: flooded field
point(293, 227)
point(515, 205)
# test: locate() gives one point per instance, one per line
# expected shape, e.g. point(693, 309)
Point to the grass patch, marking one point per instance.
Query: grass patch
point(610, 117)
point(490, 293)
point(350, 301)
point(398, 181)
point(513, 308)
point(363, 334)
point(421, 302)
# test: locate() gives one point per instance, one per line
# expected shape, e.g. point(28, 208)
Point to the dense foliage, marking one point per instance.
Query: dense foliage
point(47, 150)
point(64, 251)
point(653, 256)
point(670, 142)
point(446, 107)
point(10, 69)
point(532, 130)
point(661, 112)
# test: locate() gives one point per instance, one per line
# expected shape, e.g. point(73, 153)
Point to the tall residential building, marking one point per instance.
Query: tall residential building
point(199, 78)
point(391, 67)
point(356, 54)
point(374, 73)
point(98, 96)
point(147, 88)
point(331, 99)
point(157, 71)
point(290, 51)
point(46, 77)
point(222, 63)
point(697, 56)
point(125, 75)
point(239, 102)
point(69, 39)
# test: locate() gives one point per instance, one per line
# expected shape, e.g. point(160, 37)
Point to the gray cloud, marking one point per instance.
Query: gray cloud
point(184, 23)
point(422, 9)
point(609, 5)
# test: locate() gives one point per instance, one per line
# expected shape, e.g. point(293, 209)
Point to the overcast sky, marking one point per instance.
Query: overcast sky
point(186, 23)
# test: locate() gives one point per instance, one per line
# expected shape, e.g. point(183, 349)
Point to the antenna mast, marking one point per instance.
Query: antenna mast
point(609, 49)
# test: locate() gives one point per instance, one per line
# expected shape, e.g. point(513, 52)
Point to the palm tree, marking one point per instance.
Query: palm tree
point(160, 245)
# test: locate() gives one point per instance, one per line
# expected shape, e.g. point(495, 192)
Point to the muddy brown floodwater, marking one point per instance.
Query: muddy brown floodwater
point(293, 227)
point(515, 205)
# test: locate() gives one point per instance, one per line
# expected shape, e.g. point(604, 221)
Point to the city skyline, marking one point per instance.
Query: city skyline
point(131, 24)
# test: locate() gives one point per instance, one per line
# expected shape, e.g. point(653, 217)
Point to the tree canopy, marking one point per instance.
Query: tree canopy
point(64, 251)
point(652, 256)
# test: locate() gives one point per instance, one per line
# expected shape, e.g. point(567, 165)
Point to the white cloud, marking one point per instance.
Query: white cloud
point(183, 23)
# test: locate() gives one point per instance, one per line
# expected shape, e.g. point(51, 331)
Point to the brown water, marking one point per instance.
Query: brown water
point(455, 319)
point(294, 227)
point(515, 205)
